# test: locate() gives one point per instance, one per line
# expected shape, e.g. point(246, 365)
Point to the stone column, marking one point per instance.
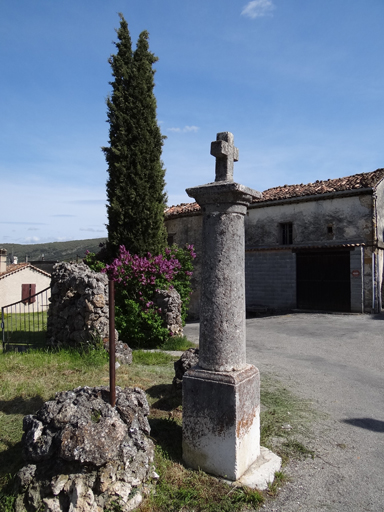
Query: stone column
point(221, 396)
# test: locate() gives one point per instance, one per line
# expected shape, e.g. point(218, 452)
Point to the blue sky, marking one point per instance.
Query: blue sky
point(299, 83)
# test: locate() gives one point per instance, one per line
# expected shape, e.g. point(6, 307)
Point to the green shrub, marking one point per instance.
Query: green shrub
point(138, 319)
point(137, 326)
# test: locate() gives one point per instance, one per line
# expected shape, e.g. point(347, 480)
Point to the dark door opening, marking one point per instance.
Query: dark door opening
point(323, 280)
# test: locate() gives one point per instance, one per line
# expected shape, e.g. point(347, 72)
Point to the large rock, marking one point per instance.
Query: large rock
point(188, 359)
point(123, 353)
point(82, 454)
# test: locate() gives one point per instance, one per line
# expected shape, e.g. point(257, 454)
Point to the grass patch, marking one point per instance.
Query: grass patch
point(29, 379)
point(147, 358)
point(284, 421)
point(31, 321)
point(177, 343)
point(25, 329)
point(274, 487)
point(180, 489)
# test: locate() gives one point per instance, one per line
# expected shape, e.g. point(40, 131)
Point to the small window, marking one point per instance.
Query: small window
point(286, 233)
point(330, 230)
point(27, 293)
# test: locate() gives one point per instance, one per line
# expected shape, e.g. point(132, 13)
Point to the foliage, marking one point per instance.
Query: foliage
point(7, 498)
point(54, 251)
point(135, 187)
point(91, 259)
point(138, 319)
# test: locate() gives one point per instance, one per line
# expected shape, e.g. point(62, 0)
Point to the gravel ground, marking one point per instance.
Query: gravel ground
point(337, 363)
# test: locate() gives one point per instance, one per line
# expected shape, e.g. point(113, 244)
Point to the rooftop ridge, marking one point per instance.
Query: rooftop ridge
point(364, 180)
point(16, 267)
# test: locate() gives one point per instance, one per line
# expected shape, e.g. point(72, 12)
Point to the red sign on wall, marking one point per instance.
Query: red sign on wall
point(355, 273)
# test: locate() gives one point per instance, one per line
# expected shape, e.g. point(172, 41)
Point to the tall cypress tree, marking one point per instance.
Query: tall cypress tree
point(135, 187)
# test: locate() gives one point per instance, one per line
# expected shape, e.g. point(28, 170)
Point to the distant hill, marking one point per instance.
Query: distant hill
point(57, 251)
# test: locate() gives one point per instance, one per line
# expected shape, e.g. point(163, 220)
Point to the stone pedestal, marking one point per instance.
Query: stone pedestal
point(221, 396)
point(221, 420)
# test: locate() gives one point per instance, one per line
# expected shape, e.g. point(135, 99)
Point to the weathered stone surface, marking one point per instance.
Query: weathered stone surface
point(188, 359)
point(79, 310)
point(79, 297)
point(221, 396)
point(82, 453)
point(122, 351)
point(225, 152)
point(222, 305)
point(221, 420)
point(169, 302)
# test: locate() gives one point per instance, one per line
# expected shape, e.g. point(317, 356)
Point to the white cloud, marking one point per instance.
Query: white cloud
point(32, 239)
point(93, 230)
point(258, 8)
point(186, 129)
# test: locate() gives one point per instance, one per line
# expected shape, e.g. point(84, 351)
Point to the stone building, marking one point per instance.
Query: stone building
point(317, 246)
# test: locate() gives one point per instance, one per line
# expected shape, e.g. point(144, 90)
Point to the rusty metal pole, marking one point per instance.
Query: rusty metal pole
point(112, 350)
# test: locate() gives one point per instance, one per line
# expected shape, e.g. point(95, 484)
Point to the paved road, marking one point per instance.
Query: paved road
point(337, 362)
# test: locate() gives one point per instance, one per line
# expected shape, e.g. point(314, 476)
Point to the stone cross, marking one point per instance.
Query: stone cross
point(226, 154)
point(221, 397)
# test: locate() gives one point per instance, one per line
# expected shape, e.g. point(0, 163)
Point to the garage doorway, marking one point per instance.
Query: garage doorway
point(323, 280)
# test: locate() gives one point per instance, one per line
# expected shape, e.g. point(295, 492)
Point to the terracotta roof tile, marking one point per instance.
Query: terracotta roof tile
point(362, 180)
point(12, 268)
point(182, 209)
point(356, 181)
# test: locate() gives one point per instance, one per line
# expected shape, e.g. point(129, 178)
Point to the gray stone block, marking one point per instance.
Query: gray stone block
point(221, 420)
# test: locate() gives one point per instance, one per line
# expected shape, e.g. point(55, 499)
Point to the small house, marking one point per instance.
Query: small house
point(20, 281)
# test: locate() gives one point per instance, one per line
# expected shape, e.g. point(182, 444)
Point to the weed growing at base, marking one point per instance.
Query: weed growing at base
point(284, 421)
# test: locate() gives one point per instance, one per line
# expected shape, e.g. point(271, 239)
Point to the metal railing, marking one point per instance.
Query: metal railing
point(24, 323)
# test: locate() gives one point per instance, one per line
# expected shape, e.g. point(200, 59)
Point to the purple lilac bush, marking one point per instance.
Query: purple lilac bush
point(137, 279)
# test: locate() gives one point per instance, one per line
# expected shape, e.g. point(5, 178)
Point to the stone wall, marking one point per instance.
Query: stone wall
point(79, 309)
point(188, 230)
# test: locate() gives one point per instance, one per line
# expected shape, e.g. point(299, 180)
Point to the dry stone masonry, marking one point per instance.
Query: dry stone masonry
point(169, 302)
point(79, 305)
point(82, 454)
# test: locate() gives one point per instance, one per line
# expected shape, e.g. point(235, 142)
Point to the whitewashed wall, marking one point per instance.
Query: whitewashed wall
point(10, 285)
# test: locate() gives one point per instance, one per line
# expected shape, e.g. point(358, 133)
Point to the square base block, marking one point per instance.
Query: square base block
point(221, 420)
